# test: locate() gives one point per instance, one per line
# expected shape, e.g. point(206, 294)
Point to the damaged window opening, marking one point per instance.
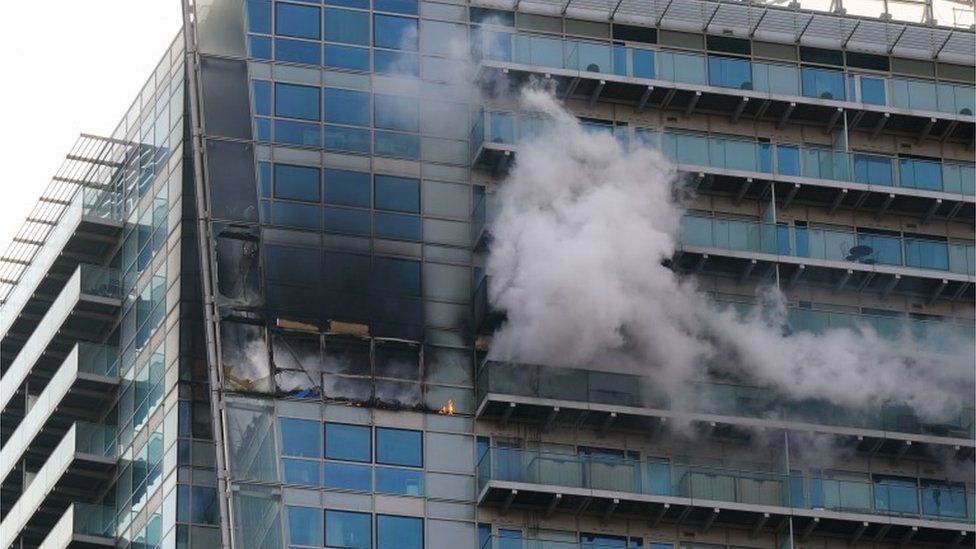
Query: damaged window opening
point(238, 266)
point(244, 356)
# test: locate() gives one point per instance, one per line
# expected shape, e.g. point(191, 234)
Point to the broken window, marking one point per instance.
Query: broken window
point(244, 356)
point(238, 273)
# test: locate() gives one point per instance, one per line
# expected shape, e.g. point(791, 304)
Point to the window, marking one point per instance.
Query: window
point(347, 442)
point(400, 194)
point(873, 91)
point(408, 7)
point(297, 101)
point(304, 526)
point(407, 482)
point(397, 113)
point(635, 34)
point(872, 169)
point(296, 52)
point(348, 530)
point(397, 33)
point(399, 532)
point(300, 437)
point(300, 471)
point(406, 227)
point(360, 4)
point(297, 21)
point(346, 107)
point(347, 139)
point(896, 494)
point(392, 62)
point(259, 47)
point(204, 507)
point(345, 476)
point(262, 97)
point(343, 220)
point(346, 27)
point(304, 216)
point(259, 16)
point(346, 57)
point(396, 276)
point(296, 182)
point(397, 145)
point(347, 188)
point(399, 447)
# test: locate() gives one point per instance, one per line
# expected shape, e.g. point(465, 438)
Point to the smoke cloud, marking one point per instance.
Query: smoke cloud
point(583, 228)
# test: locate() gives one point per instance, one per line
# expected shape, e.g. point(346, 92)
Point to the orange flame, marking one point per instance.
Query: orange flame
point(447, 409)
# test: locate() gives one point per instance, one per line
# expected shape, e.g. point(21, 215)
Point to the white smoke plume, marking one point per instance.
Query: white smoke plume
point(582, 231)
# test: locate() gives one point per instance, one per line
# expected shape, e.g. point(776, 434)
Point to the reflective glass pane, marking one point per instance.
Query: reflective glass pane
point(398, 33)
point(296, 182)
point(346, 57)
point(344, 476)
point(346, 106)
point(348, 530)
point(344, 220)
point(347, 442)
point(405, 482)
point(399, 532)
point(397, 113)
point(347, 139)
point(297, 21)
point(399, 145)
point(297, 101)
point(397, 193)
point(304, 526)
point(873, 91)
point(347, 188)
point(297, 133)
point(399, 447)
point(823, 83)
point(300, 437)
point(300, 471)
point(346, 27)
point(259, 16)
point(297, 51)
point(392, 62)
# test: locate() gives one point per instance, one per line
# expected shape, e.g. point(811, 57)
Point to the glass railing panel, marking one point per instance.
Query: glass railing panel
point(730, 72)
point(592, 57)
point(873, 170)
point(94, 520)
point(959, 178)
point(926, 254)
point(539, 50)
point(823, 83)
point(916, 173)
point(501, 128)
point(962, 259)
point(682, 67)
point(873, 91)
point(825, 164)
point(896, 497)
point(479, 217)
point(944, 501)
point(95, 439)
point(778, 79)
point(914, 94)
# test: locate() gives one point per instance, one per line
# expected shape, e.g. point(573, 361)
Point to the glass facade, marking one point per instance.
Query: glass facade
point(262, 317)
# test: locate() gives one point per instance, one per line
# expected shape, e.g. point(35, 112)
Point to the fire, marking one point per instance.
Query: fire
point(447, 409)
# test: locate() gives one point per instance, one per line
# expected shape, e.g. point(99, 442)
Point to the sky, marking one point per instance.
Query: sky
point(68, 67)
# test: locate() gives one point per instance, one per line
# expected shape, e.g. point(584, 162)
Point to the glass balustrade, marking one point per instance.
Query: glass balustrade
point(782, 159)
point(592, 386)
point(827, 244)
point(725, 72)
point(924, 499)
point(81, 519)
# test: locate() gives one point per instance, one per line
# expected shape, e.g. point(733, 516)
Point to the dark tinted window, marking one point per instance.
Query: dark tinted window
point(297, 21)
point(297, 101)
point(868, 61)
point(347, 188)
point(728, 45)
point(346, 107)
point(635, 34)
point(296, 182)
point(401, 194)
point(822, 56)
point(494, 17)
point(396, 276)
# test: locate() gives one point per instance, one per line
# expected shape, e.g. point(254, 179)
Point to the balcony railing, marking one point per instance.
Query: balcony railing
point(785, 160)
point(88, 280)
point(931, 500)
point(784, 79)
point(81, 519)
point(83, 439)
point(593, 386)
point(828, 244)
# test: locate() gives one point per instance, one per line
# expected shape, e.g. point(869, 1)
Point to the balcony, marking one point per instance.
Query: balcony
point(83, 526)
point(81, 389)
point(718, 84)
point(87, 232)
point(682, 494)
point(86, 307)
point(78, 469)
point(862, 260)
point(601, 400)
point(745, 168)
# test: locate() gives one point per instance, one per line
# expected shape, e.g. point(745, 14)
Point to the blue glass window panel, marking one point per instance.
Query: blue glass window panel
point(305, 216)
point(401, 194)
point(497, 45)
point(259, 16)
point(300, 437)
point(297, 133)
point(397, 113)
point(920, 174)
point(296, 51)
point(802, 236)
point(643, 63)
point(536, 50)
point(300, 471)
point(501, 127)
point(591, 541)
point(620, 60)
point(399, 447)
point(592, 57)
point(347, 139)
point(262, 129)
point(396, 276)
point(730, 73)
point(408, 7)
point(484, 534)
point(943, 500)
point(348, 530)
point(399, 532)
point(297, 101)
point(896, 495)
point(347, 188)
point(296, 183)
point(345, 476)
point(304, 525)
point(392, 62)
point(264, 179)
point(927, 254)
point(884, 249)
point(397, 33)
point(346, 57)
point(783, 240)
point(873, 91)
point(360, 4)
point(405, 227)
point(262, 97)
point(398, 145)
point(403, 482)
point(875, 170)
point(344, 220)
point(822, 83)
point(204, 505)
point(787, 160)
point(347, 27)
point(259, 46)
point(297, 21)
point(347, 442)
point(346, 107)
point(765, 158)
